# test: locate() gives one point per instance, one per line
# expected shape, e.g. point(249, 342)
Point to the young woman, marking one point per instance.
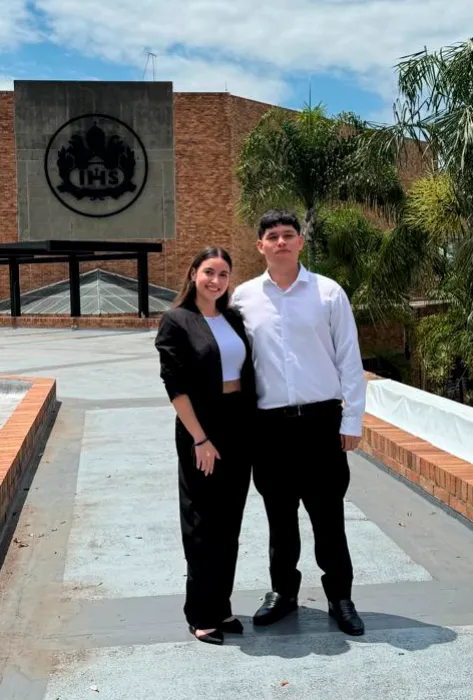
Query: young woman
point(207, 369)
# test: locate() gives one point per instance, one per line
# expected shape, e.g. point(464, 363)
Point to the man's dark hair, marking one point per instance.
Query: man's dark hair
point(275, 217)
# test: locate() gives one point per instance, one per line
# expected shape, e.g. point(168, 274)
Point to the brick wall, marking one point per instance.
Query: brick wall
point(244, 115)
point(204, 195)
point(8, 205)
point(21, 438)
point(388, 336)
point(412, 166)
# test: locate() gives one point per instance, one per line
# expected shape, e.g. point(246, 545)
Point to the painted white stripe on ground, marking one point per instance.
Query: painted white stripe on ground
point(126, 511)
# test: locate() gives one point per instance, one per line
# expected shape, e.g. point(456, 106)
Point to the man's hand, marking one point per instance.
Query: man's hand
point(350, 442)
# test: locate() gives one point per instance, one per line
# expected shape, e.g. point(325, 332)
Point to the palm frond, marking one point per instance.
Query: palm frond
point(352, 244)
point(434, 336)
point(432, 205)
point(436, 105)
point(263, 179)
point(419, 81)
point(401, 264)
point(463, 264)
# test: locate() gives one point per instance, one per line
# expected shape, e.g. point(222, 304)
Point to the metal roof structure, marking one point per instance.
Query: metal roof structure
point(79, 248)
point(101, 293)
point(75, 252)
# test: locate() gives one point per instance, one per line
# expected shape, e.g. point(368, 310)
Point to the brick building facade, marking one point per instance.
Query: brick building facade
point(208, 132)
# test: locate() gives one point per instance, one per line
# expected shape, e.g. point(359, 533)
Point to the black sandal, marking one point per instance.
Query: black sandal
point(215, 637)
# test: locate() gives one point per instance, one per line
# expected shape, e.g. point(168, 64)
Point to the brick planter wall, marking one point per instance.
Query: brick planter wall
point(21, 435)
point(442, 475)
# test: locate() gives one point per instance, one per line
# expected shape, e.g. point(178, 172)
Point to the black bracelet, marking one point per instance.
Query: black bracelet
point(202, 442)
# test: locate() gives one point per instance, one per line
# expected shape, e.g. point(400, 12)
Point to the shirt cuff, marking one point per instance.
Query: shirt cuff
point(352, 425)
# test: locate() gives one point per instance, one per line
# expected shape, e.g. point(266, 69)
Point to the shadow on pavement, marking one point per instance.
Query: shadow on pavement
point(310, 631)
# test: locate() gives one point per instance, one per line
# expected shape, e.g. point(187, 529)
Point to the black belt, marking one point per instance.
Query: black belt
point(306, 409)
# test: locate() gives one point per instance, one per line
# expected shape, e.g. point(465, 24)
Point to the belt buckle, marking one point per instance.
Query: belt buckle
point(294, 411)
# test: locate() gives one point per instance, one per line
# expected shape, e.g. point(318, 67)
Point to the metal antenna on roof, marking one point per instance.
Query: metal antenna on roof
point(152, 56)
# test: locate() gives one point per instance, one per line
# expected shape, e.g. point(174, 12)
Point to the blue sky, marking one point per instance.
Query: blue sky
point(344, 49)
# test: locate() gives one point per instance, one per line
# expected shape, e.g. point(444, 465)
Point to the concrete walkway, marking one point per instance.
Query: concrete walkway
point(92, 607)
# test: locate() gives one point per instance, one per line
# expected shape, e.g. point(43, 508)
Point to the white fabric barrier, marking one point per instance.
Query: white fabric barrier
point(446, 424)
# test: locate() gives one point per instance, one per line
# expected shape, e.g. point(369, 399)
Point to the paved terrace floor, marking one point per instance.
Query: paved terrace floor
point(92, 607)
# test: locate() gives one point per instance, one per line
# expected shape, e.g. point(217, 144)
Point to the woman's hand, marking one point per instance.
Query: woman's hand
point(205, 456)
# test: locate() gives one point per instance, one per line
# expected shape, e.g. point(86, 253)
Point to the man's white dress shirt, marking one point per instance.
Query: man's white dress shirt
point(305, 344)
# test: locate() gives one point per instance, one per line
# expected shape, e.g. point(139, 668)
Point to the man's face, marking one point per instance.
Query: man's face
point(281, 245)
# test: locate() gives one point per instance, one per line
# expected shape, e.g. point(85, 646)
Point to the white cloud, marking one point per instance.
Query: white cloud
point(254, 46)
point(15, 24)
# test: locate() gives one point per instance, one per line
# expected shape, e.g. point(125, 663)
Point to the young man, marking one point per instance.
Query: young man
point(307, 361)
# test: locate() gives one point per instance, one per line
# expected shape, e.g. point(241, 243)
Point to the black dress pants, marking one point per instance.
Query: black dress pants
point(300, 458)
point(211, 512)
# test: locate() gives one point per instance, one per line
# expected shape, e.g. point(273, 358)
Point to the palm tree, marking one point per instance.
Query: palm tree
point(305, 161)
point(435, 110)
point(349, 246)
point(417, 252)
point(444, 340)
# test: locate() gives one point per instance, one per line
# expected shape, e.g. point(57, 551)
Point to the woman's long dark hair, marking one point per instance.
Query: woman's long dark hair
point(187, 295)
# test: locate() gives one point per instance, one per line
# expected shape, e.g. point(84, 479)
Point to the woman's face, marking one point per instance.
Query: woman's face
point(212, 279)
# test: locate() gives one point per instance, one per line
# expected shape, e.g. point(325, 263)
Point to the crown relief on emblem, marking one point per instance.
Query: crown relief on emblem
point(96, 166)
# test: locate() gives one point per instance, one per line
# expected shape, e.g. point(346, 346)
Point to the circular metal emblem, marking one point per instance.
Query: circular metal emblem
point(96, 165)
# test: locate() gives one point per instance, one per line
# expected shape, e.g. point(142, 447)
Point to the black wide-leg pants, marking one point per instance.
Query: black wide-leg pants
point(211, 512)
point(300, 458)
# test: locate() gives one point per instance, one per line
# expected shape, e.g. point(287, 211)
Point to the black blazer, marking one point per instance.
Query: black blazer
point(191, 363)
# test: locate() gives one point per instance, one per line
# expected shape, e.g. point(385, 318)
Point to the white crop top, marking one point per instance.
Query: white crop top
point(232, 348)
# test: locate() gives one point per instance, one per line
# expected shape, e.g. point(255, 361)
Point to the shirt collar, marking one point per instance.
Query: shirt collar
point(303, 276)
